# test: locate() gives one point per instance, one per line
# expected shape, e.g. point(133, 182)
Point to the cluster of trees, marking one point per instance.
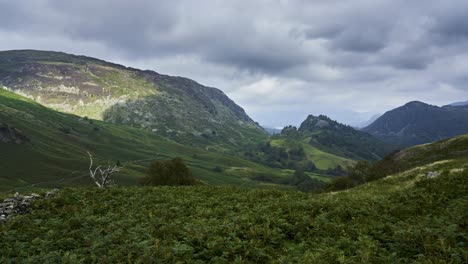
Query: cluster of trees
point(305, 183)
point(363, 172)
point(293, 158)
point(299, 179)
point(169, 172)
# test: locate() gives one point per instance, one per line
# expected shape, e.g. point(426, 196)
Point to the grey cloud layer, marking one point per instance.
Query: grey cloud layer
point(323, 56)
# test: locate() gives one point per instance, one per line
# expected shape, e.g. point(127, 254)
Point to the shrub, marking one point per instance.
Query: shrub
point(65, 130)
point(305, 183)
point(218, 169)
point(169, 172)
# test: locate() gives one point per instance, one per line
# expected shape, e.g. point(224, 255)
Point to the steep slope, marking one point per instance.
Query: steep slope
point(174, 107)
point(418, 123)
point(39, 145)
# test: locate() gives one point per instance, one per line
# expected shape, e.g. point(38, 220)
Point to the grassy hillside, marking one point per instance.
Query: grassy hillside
point(321, 159)
point(444, 155)
point(174, 107)
point(405, 218)
point(53, 146)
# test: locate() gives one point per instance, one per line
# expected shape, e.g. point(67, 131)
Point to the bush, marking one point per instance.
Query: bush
point(169, 172)
point(65, 130)
point(218, 169)
point(305, 183)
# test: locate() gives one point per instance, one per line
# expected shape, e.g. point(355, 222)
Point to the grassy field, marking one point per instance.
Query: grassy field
point(321, 159)
point(405, 218)
point(56, 147)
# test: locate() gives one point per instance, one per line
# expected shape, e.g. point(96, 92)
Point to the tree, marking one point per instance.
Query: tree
point(169, 172)
point(102, 176)
point(305, 183)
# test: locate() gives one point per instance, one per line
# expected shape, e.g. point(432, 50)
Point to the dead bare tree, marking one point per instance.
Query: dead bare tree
point(101, 175)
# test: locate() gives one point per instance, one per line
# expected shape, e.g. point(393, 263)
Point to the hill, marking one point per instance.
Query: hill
point(449, 154)
point(404, 218)
point(39, 145)
point(418, 123)
point(174, 107)
point(320, 145)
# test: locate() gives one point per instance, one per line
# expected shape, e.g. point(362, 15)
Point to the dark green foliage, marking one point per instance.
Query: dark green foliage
point(169, 172)
point(278, 157)
point(337, 171)
point(425, 222)
point(66, 130)
point(305, 183)
point(218, 169)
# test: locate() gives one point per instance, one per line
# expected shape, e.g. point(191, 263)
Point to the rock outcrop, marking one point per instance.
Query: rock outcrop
point(20, 204)
point(10, 134)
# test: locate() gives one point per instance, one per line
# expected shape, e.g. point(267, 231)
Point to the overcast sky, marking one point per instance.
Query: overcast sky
point(279, 59)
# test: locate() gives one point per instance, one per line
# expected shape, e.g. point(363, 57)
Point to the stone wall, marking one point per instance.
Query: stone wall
point(20, 204)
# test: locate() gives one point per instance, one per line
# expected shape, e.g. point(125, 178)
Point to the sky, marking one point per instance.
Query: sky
point(281, 60)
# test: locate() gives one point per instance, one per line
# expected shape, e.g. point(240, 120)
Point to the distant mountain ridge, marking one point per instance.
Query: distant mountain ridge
point(417, 123)
point(459, 104)
point(174, 107)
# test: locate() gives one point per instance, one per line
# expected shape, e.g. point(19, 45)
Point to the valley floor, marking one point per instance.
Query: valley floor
point(401, 219)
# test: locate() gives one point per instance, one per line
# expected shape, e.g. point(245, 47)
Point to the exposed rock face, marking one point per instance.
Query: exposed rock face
point(20, 204)
point(171, 106)
point(11, 135)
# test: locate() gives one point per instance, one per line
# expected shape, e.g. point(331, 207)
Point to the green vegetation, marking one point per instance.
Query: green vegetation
point(444, 156)
point(171, 172)
point(406, 218)
point(54, 146)
point(173, 107)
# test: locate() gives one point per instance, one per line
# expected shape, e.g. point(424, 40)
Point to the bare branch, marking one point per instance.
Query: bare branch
point(105, 174)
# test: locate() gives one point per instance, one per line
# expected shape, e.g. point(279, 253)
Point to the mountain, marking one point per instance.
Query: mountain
point(320, 145)
point(174, 107)
point(40, 147)
point(418, 123)
point(459, 104)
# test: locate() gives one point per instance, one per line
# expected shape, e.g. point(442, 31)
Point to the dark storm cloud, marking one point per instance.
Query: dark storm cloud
point(267, 52)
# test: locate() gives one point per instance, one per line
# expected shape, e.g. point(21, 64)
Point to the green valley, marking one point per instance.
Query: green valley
point(406, 217)
point(52, 146)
